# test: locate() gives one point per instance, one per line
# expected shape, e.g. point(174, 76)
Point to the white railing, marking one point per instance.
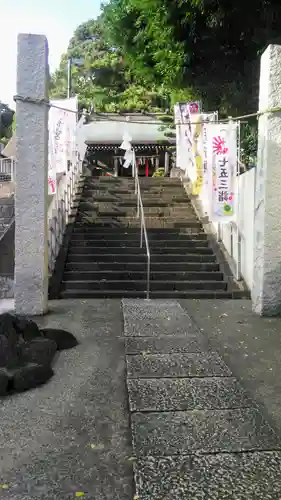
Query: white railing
point(7, 169)
point(140, 214)
point(60, 209)
point(7, 217)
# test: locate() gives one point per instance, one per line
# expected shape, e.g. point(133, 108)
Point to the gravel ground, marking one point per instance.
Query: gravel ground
point(71, 437)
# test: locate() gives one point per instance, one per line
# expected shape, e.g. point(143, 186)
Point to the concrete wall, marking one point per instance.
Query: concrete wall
point(243, 226)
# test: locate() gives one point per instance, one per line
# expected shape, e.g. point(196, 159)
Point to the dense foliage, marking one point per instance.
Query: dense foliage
point(209, 46)
point(103, 79)
point(7, 121)
point(145, 55)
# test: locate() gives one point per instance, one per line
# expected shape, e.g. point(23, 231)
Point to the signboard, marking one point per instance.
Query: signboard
point(62, 138)
point(183, 110)
point(62, 128)
point(222, 170)
point(190, 149)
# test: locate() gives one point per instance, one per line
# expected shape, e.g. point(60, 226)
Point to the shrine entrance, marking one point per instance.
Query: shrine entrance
point(104, 135)
point(109, 160)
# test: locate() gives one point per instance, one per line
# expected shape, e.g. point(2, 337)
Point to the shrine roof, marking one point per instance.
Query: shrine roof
point(112, 132)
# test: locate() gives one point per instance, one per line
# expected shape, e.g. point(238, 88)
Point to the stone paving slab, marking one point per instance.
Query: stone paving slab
point(166, 345)
point(243, 476)
point(176, 365)
point(201, 431)
point(186, 394)
point(147, 318)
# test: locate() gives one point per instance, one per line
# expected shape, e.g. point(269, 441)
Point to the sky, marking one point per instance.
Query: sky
point(57, 19)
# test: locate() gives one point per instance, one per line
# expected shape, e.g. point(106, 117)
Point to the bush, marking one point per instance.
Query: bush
point(160, 172)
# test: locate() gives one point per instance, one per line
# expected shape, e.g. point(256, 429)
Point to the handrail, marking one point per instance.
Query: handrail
point(7, 169)
point(11, 220)
point(140, 214)
point(59, 210)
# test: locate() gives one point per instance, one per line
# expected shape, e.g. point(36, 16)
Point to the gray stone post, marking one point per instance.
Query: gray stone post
point(167, 159)
point(31, 237)
point(266, 292)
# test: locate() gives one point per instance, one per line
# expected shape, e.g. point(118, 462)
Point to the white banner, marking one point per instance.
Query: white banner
point(80, 145)
point(190, 149)
point(52, 182)
point(62, 127)
point(62, 138)
point(222, 157)
point(183, 110)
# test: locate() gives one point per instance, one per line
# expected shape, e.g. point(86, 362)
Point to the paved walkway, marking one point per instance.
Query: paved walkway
point(196, 433)
point(191, 431)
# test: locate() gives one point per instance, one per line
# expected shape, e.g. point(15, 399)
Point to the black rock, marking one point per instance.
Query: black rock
point(27, 328)
point(4, 382)
point(9, 351)
point(7, 324)
point(63, 339)
point(30, 376)
point(40, 351)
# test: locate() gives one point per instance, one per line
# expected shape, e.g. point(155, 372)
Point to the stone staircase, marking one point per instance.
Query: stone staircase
point(104, 258)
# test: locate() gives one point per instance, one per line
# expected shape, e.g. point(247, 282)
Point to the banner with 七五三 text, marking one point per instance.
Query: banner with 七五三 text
point(222, 170)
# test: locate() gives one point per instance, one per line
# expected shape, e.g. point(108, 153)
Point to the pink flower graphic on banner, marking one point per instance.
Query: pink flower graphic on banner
point(193, 107)
point(219, 146)
point(52, 183)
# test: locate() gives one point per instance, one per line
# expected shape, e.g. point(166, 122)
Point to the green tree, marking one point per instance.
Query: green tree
point(103, 80)
point(210, 46)
point(7, 120)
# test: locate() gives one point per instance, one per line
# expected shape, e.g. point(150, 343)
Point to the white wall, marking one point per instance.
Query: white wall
point(243, 225)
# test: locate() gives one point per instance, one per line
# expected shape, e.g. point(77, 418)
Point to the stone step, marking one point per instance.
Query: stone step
point(128, 203)
point(150, 222)
point(130, 180)
point(131, 200)
point(134, 267)
point(154, 233)
point(159, 294)
point(119, 193)
point(103, 275)
point(134, 242)
point(141, 285)
point(154, 251)
point(121, 211)
point(161, 238)
point(137, 257)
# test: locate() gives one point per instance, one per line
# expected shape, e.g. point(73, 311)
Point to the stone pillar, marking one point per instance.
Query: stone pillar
point(116, 162)
point(266, 292)
point(166, 162)
point(115, 169)
point(157, 162)
point(31, 236)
